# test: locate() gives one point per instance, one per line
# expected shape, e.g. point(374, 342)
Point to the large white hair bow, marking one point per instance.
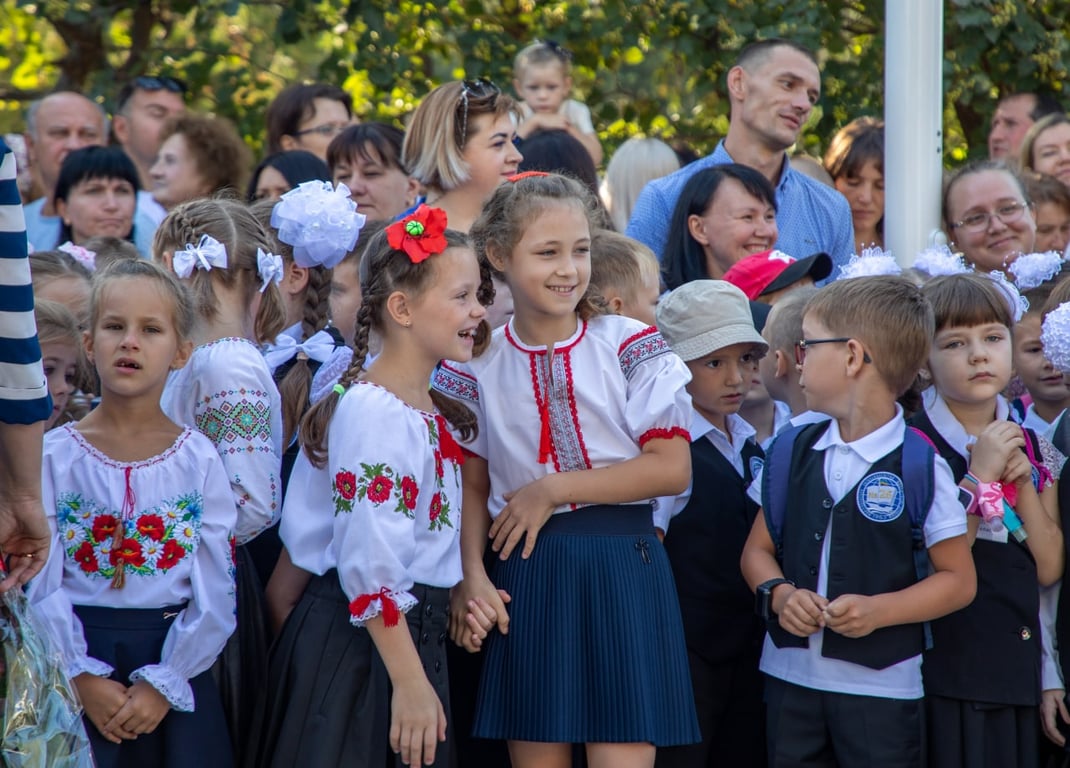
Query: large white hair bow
point(318, 347)
point(319, 221)
point(208, 253)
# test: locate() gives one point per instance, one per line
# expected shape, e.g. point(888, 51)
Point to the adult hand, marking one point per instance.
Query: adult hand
point(24, 540)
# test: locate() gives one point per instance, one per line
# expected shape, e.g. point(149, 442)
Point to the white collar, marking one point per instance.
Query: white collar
point(739, 428)
point(944, 421)
point(871, 447)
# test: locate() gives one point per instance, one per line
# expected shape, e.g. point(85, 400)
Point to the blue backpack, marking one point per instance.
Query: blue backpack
point(918, 485)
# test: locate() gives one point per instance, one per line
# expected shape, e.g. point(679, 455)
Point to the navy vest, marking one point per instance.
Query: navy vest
point(990, 650)
point(704, 544)
point(871, 552)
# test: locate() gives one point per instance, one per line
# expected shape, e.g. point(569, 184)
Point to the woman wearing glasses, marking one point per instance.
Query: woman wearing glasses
point(988, 216)
point(307, 116)
point(460, 146)
point(199, 156)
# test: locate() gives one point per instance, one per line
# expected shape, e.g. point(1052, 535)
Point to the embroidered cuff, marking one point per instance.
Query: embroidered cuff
point(90, 665)
point(663, 434)
point(370, 605)
point(175, 688)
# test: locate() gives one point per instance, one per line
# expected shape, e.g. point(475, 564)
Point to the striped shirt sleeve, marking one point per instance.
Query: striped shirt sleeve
point(23, 391)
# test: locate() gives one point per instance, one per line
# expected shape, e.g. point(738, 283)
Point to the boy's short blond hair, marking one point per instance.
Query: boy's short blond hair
point(539, 53)
point(622, 263)
point(889, 315)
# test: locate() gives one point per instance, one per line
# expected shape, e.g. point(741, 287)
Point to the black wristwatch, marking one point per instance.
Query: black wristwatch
point(763, 597)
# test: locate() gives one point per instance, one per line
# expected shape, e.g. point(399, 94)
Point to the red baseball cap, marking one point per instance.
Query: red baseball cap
point(769, 271)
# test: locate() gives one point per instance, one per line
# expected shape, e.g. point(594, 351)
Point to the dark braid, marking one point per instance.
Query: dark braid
point(314, 425)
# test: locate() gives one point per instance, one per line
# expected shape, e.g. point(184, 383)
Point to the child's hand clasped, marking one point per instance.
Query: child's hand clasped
point(803, 613)
point(851, 616)
point(102, 698)
point(525, 513)
point(995, 447)
point(143, 710)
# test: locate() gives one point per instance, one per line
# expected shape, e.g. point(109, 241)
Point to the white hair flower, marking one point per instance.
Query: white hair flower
point(1055, 336)
point(940, 260)
point(319, 221)
point(1033, 269)
point(872, 262)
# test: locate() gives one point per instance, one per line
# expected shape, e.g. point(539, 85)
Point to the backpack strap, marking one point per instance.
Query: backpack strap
point(776, 482)
point(919, 466)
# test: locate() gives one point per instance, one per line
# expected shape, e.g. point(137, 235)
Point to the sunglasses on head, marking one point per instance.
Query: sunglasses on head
point(151, 83)
point(478, 89)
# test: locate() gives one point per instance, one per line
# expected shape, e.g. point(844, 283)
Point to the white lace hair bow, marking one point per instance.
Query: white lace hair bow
point(1055, 336)
point(1019, 304)
point(330, 373)
point(208, 253)
point(318, 347)
point(872, 262)
point(319, 221)
point(269, 267)
point(83, 256)
point(1033, 269)
point(940, 260)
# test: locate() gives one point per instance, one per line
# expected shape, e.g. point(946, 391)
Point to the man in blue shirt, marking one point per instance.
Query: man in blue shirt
point(772, 89)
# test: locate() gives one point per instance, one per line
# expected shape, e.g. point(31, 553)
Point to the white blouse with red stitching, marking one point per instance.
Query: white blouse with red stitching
point(590, 402)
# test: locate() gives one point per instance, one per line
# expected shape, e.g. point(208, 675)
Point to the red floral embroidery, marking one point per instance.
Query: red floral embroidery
point(346, 483)
point(409, 491)
point(151, 526)
point(128, 553)
point(440, 471)
point(379, 489)
point(104, 527)
point(87, 558)
point(173, 552)
point(436, 506)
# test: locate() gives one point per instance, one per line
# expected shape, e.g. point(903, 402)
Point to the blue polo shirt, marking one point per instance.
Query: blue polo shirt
point(811, 216)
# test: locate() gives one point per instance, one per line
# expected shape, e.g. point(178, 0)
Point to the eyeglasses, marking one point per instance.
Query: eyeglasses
point(327, 129)
point(478, 89)
point(978, 222)
point(804, 344)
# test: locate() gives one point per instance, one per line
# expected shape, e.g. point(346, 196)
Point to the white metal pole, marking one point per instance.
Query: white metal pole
point(913, 126)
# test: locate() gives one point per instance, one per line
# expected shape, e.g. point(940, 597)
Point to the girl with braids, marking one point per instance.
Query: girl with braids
point(138, 592)
point(359, 668)
point(583, 420)
point(226, 392)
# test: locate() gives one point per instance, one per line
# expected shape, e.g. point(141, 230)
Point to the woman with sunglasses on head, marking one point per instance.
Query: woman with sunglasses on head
point(988, 216)
point(459, 145)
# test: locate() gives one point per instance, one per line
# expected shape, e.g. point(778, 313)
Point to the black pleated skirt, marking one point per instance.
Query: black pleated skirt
point(243, 663)
point(326, 700)
point(595, 650)
point(970, 734)
point(129, 639)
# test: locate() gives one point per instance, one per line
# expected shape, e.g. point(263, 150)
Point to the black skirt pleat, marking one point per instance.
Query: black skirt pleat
point(243, 663)
point(595, 650)
point(326, 699)
point(129, 639)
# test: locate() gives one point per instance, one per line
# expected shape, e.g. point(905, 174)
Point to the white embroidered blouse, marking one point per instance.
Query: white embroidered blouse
point(226, 392)
point(177, 516)
point(395, 502)
point(593, 400)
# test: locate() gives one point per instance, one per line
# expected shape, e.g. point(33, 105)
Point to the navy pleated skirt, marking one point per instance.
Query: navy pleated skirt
point(129, 639)
point(595, 650)
point(326, 699)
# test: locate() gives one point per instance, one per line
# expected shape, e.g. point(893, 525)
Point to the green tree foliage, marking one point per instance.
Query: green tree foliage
point(651, 67)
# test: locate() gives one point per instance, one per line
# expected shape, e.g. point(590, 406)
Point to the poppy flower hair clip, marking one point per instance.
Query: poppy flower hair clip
point(420, 234)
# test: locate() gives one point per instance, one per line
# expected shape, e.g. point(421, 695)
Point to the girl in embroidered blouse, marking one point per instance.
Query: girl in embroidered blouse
point(220, 250)
point(382, 495)
point(139, 591)
point(1006, 468)
point(583, 420)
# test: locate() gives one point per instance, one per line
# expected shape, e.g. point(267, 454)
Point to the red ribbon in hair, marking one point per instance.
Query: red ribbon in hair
point(525, 175)
point(391, 614)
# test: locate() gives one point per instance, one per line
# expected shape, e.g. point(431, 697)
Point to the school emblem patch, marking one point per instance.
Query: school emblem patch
point(880, 497)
